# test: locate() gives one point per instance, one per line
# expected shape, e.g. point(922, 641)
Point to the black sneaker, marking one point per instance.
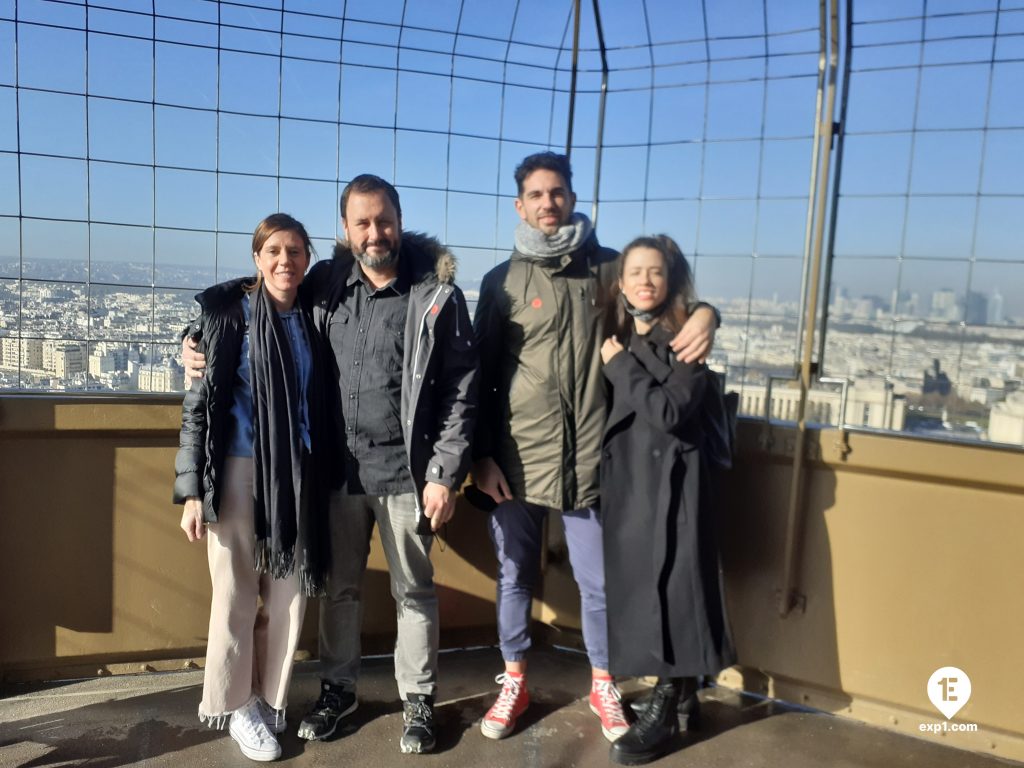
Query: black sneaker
point(418, 734)
point(334, 704)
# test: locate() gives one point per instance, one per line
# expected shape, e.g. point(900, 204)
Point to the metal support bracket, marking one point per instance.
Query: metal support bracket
point(842, 444)
point(767, 439)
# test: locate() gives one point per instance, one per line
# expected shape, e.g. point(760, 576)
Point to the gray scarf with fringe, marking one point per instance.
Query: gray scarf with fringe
point(534, 244)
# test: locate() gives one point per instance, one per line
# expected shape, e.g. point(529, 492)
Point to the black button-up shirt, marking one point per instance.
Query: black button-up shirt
point(367, 335)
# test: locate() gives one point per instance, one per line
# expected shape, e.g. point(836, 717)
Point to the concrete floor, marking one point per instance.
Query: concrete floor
point(151, 720)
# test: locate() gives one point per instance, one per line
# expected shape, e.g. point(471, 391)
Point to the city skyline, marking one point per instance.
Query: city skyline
point(146, 141)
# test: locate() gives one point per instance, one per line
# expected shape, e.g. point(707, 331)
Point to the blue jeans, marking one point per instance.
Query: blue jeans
point(517, 531)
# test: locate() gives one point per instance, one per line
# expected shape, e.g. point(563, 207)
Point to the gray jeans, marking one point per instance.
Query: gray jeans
point(412, 586)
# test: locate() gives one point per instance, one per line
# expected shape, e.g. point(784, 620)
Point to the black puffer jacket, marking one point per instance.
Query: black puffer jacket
point(206, 411)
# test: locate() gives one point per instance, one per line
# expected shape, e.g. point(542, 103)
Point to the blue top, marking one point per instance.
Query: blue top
point(240, 440)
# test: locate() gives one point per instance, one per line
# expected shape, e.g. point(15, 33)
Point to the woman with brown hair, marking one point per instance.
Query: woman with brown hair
point(250, 477)
point(666, 617)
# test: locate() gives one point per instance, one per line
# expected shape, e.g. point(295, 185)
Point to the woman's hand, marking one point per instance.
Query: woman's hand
point(192, 519)
point(610, 349)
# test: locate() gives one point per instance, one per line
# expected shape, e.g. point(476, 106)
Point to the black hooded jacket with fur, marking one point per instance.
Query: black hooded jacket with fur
point(439, 372)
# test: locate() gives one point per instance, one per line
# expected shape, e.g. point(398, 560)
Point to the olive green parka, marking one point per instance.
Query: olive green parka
point(542, 399)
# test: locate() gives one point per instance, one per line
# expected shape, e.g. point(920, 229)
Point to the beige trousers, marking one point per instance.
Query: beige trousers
point(255, 619)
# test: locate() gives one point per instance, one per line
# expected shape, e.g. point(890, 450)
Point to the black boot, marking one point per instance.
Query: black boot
point(689, 704)
point(656, 731)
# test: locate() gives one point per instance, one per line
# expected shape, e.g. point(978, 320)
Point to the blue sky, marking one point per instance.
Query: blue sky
point(173, 151)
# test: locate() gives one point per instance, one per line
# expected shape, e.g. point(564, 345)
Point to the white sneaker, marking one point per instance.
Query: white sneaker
point(272, 717)
point(254, 739)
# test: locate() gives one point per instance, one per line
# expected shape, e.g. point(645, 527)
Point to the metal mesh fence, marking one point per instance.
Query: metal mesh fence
point(928, 259)
point(147, 138)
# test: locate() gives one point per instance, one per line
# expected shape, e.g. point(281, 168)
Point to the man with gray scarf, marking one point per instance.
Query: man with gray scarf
point(542, 412)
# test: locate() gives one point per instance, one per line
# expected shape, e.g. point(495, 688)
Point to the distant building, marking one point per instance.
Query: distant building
point(163, 377)
point(112, 381)
point(49, 352)
point(944, 305)
point(863, 308)
point(64, 359)
point(980, 391)
point(10, 353)
point(22, 353)
point(905, 303)
point(936, 380)
point(869, 403)
point(1006, 420)
point(995, 309)
point(840, 297)
point(107, 358)
point(976, 309)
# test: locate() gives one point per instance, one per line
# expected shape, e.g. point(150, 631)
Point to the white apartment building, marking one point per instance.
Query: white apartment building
point(64, 358)
point(1006, 420)
point(869, 403)
point(160, 378)
point(22, 353)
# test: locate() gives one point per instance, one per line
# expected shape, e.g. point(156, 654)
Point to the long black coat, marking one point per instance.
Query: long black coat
point(666, 615)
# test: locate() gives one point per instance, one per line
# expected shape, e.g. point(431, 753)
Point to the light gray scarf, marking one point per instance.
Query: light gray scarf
point(646, 316)
point(534, 244)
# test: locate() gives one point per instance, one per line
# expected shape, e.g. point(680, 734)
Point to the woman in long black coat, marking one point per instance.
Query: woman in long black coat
point(666, 616)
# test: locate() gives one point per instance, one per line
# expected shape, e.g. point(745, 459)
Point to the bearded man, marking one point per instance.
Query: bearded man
point(405, 363)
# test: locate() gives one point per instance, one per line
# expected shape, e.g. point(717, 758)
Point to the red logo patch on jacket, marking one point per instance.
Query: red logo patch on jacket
point(536, 303)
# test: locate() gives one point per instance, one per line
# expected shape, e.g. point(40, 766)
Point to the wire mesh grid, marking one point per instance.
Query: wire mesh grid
point(147, 139)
